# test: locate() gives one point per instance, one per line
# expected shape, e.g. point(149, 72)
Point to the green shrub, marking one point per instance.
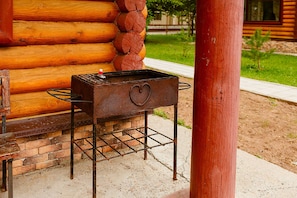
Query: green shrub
point(255, 43)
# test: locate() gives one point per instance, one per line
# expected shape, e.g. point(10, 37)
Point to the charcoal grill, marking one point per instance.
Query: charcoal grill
point(121, 94)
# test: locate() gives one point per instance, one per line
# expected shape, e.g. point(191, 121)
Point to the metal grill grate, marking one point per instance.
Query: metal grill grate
point(125, 143)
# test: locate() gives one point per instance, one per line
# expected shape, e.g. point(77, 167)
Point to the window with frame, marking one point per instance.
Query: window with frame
point(263, 11)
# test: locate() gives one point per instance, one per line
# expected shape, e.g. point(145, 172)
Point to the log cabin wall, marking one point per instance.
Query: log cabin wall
point(285, 31)
point(53, 40)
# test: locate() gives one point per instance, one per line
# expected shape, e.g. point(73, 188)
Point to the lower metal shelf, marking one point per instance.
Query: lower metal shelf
point(122, 142)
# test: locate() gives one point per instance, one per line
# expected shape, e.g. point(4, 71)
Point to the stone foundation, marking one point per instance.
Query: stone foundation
point(52, 149)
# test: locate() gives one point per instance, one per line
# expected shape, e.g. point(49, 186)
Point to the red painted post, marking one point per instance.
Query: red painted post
point(6, 17)
point(216, 98)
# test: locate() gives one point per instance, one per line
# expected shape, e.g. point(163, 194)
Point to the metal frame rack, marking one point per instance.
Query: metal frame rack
point(147, 138)
point(119, 93)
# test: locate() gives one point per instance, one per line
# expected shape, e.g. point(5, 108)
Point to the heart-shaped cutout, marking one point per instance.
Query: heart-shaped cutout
point(140, 94)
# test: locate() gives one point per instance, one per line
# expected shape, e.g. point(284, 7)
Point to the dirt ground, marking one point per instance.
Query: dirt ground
point(267, 127)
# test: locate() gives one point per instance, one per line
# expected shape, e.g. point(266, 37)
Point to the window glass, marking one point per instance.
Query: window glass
point(157, 16)
point(262, 10)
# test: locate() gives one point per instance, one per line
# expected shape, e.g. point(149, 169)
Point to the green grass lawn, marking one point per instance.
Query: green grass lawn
point(170, 48)
point(278, 68)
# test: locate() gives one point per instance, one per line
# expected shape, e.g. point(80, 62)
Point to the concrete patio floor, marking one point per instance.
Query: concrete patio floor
point(132, 177)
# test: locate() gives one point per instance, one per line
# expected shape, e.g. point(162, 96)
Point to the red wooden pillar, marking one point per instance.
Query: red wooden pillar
point(216, 98)
point(6, 18)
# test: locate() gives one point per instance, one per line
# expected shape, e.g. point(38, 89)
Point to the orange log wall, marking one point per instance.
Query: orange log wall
point(287, 30)
point(53, 40)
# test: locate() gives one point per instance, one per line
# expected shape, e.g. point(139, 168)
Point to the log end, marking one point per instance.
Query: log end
point(131, 42)
point(128, 62)
point(131, 5)
point(131, 21)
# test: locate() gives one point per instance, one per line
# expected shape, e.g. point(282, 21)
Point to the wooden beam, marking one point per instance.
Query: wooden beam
point(26, 57)
point(45, 33)
point(57, 10)
point(5, 21)
point(216, 98)
point(43, 78)
point(8, 145)
point(35, 103)
point(37, 125)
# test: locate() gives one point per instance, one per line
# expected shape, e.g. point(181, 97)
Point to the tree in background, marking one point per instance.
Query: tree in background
point(169, 7)
point(183, 8)
point(189, 13)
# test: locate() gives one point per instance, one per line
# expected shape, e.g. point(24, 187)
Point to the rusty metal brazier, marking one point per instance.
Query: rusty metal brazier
point(119, 94)
point(123, 93)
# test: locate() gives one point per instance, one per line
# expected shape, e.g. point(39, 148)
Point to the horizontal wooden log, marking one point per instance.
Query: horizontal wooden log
point(265, 30)
point(31, 126)
point(288, 35)
point(282, 29)
point(26, 57)
point(254, 26)
point(131, 5)
point(36, 32)
point(8, 146)
point(57, 10)
point(289, 21)
point(288, 25)
point(131, 21)
point(285, 12)
point(128, 62)
point(289, 3)
point(276, 34)
point(246, 34)
point(273, 29)
point(41, 79)
point(287, 16)
point(291, 7)
point(276, 37)
point(131, 42)
point(37, 103)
